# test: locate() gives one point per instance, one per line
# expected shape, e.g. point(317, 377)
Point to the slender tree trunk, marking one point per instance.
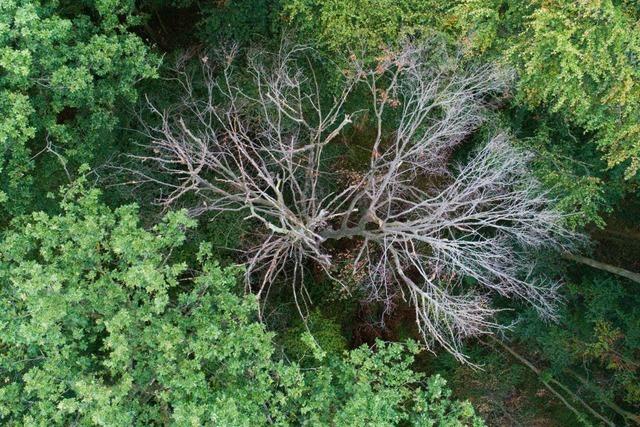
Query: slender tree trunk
point(602, 266)
point(631, 416)
point(547, 384)
point(622, 234)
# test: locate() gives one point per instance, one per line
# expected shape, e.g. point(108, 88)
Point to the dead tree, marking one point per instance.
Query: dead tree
point(253, 141)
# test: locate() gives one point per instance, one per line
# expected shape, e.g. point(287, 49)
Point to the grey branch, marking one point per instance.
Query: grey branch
point(420, 227)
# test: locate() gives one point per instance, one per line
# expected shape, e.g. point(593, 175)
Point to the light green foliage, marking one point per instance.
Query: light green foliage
point(375, 389)
point(99, 327)
point(364, 25)
point(579, 58)
point(66, 71)
point(319, 331)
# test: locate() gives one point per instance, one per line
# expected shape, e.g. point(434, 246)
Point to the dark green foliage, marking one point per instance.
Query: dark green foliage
point(239, 20)
point(503, 391)
point(598, 338)
point(67, 71)
point(568, 165)
point(592, 350)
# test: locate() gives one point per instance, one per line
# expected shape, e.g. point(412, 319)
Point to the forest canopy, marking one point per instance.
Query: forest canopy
point(319, 212)
point(110, 333)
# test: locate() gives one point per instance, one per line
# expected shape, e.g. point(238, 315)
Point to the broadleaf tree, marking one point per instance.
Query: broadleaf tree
point(579, 58)
point(99, 326)
point(67, 72)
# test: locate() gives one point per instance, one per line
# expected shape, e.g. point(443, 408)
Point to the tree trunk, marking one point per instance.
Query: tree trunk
point(602, 266)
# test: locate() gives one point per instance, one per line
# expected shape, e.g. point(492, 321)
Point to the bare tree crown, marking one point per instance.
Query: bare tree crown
point(419, 225)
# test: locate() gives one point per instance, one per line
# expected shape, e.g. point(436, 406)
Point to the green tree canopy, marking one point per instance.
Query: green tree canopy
point(578, 58)
point(66, 68)
point(347, 26)
point(99, 325)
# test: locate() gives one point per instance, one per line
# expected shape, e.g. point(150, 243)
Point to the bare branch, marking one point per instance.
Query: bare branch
point(421, 229)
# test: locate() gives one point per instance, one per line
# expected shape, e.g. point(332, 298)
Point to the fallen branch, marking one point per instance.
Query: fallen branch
point(635, 277)
point(595, 389)
point(547, 384)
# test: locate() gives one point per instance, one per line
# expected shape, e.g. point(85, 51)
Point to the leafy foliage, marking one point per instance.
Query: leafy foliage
point(99, 327)
point(597, 338)
point(238, 20)
point(317, 330)
point(579, 58)
point(66, 68)
point(568, 165)
point(363, 25)
point(106, 322)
